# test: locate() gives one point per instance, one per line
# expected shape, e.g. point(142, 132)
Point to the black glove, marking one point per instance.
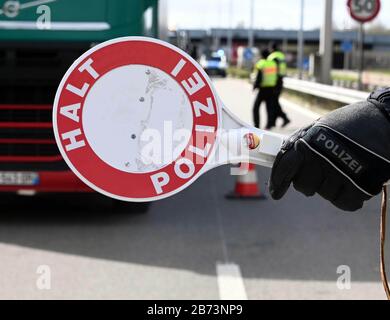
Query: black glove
point(344, 156)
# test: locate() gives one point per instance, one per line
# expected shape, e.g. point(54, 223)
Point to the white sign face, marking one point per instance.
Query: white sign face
point(364, 10)
point(136, 119)
point(157, 100)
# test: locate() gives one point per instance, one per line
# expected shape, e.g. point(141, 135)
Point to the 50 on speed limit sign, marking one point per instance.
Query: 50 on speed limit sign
point(364, 10)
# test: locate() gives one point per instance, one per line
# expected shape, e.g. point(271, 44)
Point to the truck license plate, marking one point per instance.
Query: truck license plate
point(19, 178)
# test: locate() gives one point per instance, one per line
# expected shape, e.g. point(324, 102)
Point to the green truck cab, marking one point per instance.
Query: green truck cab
point(39, 40)
point(75, 20)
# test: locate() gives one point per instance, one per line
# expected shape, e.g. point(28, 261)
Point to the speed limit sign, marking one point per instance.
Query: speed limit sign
point(364, 10)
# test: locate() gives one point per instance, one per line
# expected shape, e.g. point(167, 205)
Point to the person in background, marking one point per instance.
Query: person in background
point(280, 59)
point(266, 82)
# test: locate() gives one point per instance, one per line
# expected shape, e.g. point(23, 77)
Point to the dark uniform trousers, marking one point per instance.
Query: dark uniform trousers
point(278, 108)
point(267, 95)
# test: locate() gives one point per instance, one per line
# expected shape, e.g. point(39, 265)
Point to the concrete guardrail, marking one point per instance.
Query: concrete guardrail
point(342, 95)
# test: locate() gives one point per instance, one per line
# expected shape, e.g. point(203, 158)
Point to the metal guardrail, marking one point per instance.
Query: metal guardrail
point(342, 95)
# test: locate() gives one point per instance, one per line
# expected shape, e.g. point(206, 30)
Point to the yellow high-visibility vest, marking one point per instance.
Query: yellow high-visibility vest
point(280, 60)
point(269, 70)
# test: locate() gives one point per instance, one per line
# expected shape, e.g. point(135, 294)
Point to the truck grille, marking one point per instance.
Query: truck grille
point(13, 114)
point(24, 150)
point(26, 134)
point(29, 75)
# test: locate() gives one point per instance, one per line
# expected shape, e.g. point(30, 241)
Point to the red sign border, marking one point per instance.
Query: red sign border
point(83, 58)
point(368, 19)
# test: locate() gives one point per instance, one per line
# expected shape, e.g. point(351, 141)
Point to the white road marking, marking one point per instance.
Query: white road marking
point(230, 283)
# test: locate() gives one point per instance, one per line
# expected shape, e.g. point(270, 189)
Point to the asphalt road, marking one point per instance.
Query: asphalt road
point(196, 245)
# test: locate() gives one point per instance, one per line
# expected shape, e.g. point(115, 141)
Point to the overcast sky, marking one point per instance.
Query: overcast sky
point(269, 14)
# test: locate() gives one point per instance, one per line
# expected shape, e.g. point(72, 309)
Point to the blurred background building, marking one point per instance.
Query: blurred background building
point(377, 46)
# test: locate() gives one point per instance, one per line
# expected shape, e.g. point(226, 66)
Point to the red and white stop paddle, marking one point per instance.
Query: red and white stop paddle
point(137, 119)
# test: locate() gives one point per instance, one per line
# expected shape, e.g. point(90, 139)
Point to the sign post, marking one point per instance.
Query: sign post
point(326, 44)
point(347, 47)
point(361, 55)
point(363, 11)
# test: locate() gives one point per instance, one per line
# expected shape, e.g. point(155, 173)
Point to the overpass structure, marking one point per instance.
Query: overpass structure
point(377, 46)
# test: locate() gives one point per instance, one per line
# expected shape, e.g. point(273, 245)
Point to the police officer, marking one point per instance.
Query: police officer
point(280, 59)
point(344, 156)
point(266, 81)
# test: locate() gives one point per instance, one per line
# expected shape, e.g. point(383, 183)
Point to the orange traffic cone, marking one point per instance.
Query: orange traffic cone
point(246, 184)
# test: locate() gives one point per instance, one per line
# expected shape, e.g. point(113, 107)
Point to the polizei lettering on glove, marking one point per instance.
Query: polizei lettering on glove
point(337, 151)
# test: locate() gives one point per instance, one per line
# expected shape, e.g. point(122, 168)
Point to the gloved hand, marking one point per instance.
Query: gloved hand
point(344, 156)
